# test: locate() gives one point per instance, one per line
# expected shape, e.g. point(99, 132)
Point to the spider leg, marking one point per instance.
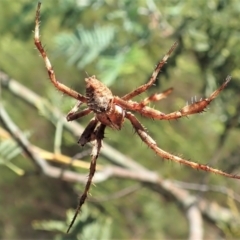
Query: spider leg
point(165, 155)
point(88, 134)
point(75, 108)
point(61, 87)
point(155, 73)
point(193, 108)
point(73, 116)
point(99, 135)
point(156, 97)
point(74, 113)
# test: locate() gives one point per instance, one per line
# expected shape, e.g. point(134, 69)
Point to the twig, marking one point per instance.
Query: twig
point(32, 98)
point(120, 194)
point(132, 169)
point(41, 164)
point(207, 188)
point(195, 222)
point(53, 157)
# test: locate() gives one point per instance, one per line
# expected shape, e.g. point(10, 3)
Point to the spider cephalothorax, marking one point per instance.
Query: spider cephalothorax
point(110, 111)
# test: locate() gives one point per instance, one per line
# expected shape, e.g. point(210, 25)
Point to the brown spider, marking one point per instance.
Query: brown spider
point(111, 111)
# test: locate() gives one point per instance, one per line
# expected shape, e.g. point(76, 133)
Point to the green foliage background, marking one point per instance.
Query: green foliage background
point(120, 42)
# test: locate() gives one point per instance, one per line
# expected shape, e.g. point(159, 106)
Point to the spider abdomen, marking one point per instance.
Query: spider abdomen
point(100, 101)
point(98, 95)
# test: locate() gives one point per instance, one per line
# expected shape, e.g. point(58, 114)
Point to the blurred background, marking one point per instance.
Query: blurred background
point(136, 195)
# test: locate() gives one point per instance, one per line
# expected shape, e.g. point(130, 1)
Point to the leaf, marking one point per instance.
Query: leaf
point(83, 46)
point(9, 149)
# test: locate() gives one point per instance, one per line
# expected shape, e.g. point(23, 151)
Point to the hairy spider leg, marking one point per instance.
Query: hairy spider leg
point(61, 87)
point(156, 97)
point(74, 110)
point(78, 114)
point(195, 107)
point(165, 155)
point(88, 133)
point(99, 135)
point(153, 78)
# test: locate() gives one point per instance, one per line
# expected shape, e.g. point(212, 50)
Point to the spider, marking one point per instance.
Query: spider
point(111, 111)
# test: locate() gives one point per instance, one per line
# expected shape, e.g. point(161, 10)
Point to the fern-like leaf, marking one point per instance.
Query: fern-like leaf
point(83, 46)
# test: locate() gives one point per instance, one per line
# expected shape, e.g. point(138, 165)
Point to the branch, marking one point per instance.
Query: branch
point(40, 103)
point(171, 191)
point(57, 157)
point(41, 164)
point(195, 222)
point(190, 204)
